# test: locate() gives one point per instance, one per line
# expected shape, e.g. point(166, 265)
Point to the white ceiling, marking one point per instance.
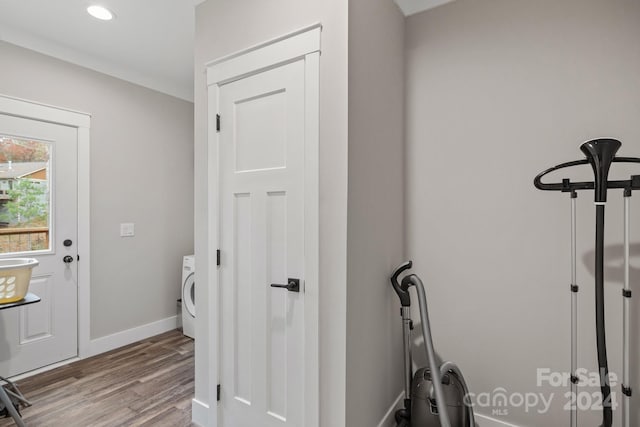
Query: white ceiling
point(150, 42)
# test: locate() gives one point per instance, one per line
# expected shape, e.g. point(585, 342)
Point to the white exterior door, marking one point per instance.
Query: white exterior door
point(262, 242)
point(39, 159)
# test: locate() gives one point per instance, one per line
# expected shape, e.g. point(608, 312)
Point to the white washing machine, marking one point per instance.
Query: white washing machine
point(188, 295)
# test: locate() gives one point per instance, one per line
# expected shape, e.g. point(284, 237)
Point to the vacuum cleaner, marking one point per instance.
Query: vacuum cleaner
point(436, 395)
point(600, 154)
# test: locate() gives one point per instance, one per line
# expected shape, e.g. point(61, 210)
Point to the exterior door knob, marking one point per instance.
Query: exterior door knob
point(67, 259)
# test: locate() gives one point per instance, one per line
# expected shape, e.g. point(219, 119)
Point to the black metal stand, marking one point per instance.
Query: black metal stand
point(600, 154)
point(10, 396)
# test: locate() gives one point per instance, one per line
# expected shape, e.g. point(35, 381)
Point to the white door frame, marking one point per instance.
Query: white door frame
point(303, 44)
point(82, 122)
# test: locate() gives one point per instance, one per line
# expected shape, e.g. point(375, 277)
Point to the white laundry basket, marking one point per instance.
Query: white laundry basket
point(15, 276)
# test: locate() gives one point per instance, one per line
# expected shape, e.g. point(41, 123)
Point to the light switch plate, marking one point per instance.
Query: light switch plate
point(127, 229)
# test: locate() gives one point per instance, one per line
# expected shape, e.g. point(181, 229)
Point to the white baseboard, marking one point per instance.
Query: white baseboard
point(389, 420)
point(481, 420)
point(485, 421)
point(120, 339)
point(199, 412)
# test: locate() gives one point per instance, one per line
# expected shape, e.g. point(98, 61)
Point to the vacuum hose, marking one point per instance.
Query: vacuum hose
point(431, 354)
point(469, 420)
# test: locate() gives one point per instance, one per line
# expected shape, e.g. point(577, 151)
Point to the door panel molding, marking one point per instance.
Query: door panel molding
point(32, 110)
point(302, 45)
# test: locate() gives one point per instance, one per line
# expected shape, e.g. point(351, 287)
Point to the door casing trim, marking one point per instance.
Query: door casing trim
point(32, 110)
point(303, 44)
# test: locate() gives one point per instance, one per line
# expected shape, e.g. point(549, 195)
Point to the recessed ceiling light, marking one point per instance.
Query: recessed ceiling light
point(100, 12)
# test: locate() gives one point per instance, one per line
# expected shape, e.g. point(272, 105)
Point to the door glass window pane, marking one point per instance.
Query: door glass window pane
point(25, 202)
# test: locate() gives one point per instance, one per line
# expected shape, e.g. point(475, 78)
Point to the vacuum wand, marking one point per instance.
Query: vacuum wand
point(404, 414)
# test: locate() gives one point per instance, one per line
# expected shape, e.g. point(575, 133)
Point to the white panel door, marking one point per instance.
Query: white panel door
point(261, 171)
point(39, 160)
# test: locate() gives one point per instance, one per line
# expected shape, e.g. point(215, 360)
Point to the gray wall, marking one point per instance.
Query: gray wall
point(226, 26)
point(141, 172)
point(497, 91)
point(376, 208)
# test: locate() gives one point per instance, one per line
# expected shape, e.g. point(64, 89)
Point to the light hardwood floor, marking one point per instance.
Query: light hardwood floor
point(149, 383)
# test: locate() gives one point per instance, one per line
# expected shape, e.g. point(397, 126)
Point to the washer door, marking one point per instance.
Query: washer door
point(189, 295)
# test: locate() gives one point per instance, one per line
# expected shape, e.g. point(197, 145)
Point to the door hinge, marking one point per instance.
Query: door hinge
point(218, 394)
point(218, 257)
point(218, 122)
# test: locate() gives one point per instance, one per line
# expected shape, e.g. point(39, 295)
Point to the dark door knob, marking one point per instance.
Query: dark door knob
point(67, 259)
point(67, 242)
point(293, 285)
